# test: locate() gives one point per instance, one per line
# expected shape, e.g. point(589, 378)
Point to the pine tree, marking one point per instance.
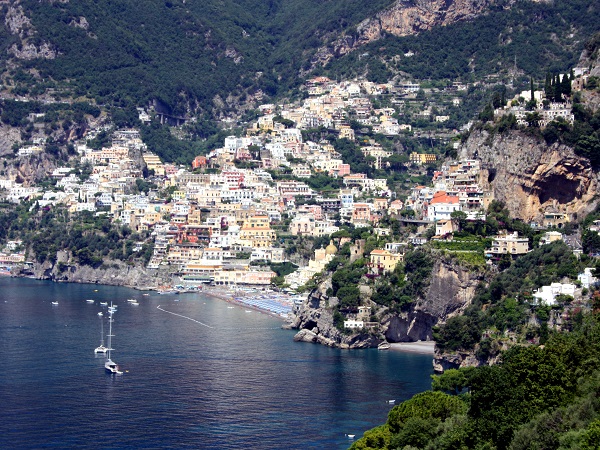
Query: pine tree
point(532, 91)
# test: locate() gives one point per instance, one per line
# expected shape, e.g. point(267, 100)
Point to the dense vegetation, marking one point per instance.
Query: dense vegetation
point(182, 54)
point(507, 303)
point(536, 398)
point(192, 55)
point(538, 36)
point(91, 239)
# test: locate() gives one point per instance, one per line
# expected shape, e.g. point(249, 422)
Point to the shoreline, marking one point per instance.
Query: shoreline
point(220, 293)
point(228, 296)
point(422, 347)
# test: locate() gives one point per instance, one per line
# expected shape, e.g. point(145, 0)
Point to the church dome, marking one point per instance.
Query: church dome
point(331, 249)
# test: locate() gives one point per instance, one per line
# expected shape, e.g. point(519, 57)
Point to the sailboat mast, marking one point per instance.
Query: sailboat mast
point(110, 321)
point(101, 331)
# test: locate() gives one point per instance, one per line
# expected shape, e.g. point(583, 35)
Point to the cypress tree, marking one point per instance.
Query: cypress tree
point(566, 85)
point(557, 88)
point(548, 86)
point(532, 91)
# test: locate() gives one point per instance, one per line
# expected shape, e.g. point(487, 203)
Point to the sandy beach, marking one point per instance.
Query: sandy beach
point(414, 347)
point(240, 298)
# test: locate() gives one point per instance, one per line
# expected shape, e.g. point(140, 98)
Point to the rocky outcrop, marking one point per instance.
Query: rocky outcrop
point(403, 18)
point(451, 290)
point(111, 272)
point(314, 319)
point(30, 169)
point(9, 136)
point(19, 25)
point(17, 22)
point(29, 51)
point(530, 177)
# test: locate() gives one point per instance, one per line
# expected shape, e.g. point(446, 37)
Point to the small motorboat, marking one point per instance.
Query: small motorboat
point(103, 303)
point(89, 300)
point(350, 436)
point(100, 313)
point(55, 303)
point(391, 402)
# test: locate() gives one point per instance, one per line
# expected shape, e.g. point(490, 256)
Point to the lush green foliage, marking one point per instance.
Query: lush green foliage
point(89, 238)
point(183, 54)
point(537, 397)
point(505, 303)
point(536, 35)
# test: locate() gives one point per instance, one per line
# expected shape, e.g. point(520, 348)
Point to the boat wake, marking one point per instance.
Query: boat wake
point(185, 317)
point(212, 328)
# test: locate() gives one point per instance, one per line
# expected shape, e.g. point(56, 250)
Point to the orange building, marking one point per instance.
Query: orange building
point(199, 162)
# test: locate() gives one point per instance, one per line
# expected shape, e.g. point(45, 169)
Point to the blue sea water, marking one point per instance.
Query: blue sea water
point(197, 374)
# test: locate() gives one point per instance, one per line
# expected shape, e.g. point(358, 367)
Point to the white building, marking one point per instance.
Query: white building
point(587, 278)
point(546, 295)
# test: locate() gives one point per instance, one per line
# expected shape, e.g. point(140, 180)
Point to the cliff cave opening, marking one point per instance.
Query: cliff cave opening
point(559, 188)
point(309, 325)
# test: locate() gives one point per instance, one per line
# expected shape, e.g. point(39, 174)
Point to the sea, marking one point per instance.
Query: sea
point(198, 372)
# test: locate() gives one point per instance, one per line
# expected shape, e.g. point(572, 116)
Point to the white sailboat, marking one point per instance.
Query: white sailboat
point(101, 348)
point(110, 366)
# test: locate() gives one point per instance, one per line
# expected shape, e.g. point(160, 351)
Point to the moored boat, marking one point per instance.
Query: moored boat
point(101, 348)
point(110, 366)
point(384, 346)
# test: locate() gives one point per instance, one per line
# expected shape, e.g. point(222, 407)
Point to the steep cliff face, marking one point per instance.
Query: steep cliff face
point(314, 319)
point(29, 169)
point(531, 177)
point(112, 272)
point(8, 137)
point(19, 25)
point(450, 291)
point(403, 18)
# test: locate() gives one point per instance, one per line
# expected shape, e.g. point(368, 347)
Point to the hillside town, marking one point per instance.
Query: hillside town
point(227, 219)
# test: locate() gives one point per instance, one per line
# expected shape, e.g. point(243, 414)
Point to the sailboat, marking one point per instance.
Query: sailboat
point(101, 348)
point(110, 366)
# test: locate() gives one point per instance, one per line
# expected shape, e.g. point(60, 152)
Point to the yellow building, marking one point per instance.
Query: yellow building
point(257, 232)
point(422, 158)
point(382, 261)
point(509, 244)
point(153, 162)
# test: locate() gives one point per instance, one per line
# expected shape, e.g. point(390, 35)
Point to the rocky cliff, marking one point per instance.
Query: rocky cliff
point(29, 169)
point(530, 177)
point(403, 18)
point(451, 289)
point(111, 272)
